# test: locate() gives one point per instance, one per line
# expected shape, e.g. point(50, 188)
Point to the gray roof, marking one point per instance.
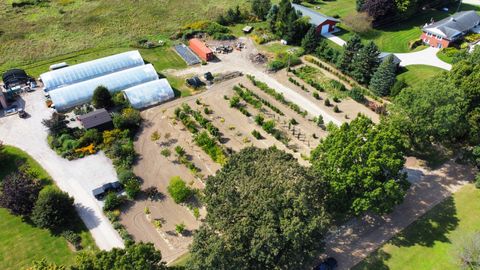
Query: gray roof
point(95, 118)
point(384, 56)
point(315, 17)
point(455, 25)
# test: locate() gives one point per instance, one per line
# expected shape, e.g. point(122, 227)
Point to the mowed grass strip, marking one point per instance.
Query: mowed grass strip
point(431, 242)
point(416, 73)
point(22, 243)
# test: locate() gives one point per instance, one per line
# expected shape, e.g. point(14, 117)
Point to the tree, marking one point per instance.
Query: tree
point(129, 119)
point(133, 257)
point(362, 165)
point(384, 78)
point(19, 193)
point(365, 63)
point(378, 9)
point(53, 209)
point(178, 189)
point(113, 201)
point(310, 41)
point(261, 8)
point(359, 5)
point(102, 98)
point(468, 252)
point(132, 188)
point(430, 112)
point(56, 124)
point(272, 18)
point(264, 212)
point(351, 48)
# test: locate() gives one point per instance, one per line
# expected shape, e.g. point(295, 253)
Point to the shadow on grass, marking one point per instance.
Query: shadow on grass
point(432, 227)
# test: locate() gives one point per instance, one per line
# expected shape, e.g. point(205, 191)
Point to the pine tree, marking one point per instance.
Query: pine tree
point(384, 78)
point(261, 8)
point(272, 18)
point(353, 46)
point(365, 63)
point(310, 41)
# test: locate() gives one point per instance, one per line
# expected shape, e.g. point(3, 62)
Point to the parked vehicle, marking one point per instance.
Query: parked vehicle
point(329, 263)
point(99, 193)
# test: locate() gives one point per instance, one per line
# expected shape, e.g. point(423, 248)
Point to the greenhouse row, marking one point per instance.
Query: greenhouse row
point(140, 83)
point(89, 70)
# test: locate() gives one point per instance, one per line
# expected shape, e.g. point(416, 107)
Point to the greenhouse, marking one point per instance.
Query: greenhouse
point(76, 94)
point(89, 70)
point(149, 94)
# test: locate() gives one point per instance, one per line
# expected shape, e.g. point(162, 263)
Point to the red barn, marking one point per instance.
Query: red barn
point(324, 24)
point(198, 47)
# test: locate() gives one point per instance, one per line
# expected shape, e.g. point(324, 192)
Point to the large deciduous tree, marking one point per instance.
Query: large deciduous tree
point(102, 98)
point(133, 257)
point(384, 78)
point(264, 212)
point(378, 9)
point(362, 165)
point(261, 8)
point(18, 193)
point(53, 209)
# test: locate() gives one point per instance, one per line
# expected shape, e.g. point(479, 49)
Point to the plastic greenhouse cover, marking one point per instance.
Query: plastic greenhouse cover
point(89, 70)
point(76, 94)
point(150, 93)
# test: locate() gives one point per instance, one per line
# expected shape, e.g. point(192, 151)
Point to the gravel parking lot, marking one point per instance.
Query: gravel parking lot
point(77, 177)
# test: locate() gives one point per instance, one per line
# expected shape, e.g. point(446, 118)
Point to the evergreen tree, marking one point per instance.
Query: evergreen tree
point(102, 98)
point(351, 48)
point(359, 5)
point(365, 63)
point(261, 8)
point(310, 41)
point(384, 78)
point(272, 18)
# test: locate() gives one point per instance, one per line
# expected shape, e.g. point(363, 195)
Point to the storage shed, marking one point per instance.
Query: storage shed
point(76, 94)
point(201, 49)
point(99, 119)
point(89, 70)
point(149, 94)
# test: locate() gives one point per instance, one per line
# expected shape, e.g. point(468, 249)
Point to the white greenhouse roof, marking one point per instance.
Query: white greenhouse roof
point(149, 94)
point(89, 70)
point(76, 94)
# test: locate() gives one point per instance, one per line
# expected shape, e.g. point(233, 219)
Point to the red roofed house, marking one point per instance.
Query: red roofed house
point(324, 24)
point(200, 49)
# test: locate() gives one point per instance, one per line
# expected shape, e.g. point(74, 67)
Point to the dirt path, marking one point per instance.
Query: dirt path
point(355, 240)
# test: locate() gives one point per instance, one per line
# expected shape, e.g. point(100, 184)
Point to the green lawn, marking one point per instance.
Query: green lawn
point(416, 73)
point(430, 243)
point(20, 242)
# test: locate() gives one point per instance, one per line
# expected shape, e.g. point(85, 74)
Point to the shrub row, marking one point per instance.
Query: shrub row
point(278, 96)
point(297, 83)
point(264, 101)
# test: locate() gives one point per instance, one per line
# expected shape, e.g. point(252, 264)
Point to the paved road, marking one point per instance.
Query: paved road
point(77, 177)
point(239, 61)
point(357, 239)
point(425, 57)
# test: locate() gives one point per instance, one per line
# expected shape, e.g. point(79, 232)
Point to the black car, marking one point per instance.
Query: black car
point(100, 192)
point(328, 264)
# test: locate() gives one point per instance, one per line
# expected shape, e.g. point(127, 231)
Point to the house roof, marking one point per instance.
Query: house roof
point(384, 56)
point(315, 17)
point(95, 118)
point(455, 25)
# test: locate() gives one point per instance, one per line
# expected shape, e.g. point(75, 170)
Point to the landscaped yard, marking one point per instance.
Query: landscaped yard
point(430, 242)
point(394, 38)
point(417, 73)
point(20, 242)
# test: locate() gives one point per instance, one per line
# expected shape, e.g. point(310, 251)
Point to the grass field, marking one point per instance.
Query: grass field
point(430, 242)
point(35, 33)
point(20, 242)
point(415, 73)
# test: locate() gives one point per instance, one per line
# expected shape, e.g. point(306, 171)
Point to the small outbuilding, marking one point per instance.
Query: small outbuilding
point(194, 82)
point(325, 24)
point(99, 119)
point(247, 29)
point(201, 49)
point(15, 77)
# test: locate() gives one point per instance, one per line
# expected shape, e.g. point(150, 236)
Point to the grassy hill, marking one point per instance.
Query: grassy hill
point(46, 30)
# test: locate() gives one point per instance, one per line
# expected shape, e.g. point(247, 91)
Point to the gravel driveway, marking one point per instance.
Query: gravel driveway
point(77, 177)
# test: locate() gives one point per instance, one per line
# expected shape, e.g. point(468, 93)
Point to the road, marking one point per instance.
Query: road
point(239, 61)
point(77, 177)
point(355, 240)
